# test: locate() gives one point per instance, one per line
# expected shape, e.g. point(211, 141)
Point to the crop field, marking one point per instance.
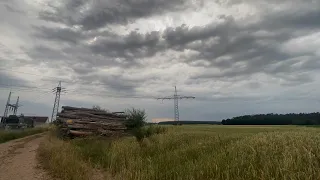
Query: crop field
point(191, 152)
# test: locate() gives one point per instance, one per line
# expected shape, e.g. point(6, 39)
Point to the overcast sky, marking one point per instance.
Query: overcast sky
point(236, 56)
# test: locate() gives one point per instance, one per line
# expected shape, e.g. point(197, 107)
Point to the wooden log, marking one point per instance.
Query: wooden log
point(80, 133)
point(92, 111)
point(97, 126)
point(76, 108)
point(87, 116)
point(97, 123)
point(86, 121)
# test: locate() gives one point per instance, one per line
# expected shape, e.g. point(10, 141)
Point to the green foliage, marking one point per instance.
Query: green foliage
point(15, 134)
point(136, 118)
point(147, 131)
point(275, 119)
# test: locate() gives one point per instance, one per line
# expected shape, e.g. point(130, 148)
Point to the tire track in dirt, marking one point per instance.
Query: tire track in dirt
point(18, 160)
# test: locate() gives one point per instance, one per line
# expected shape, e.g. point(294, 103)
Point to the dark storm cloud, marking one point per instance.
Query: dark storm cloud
point(182, 35)
point(114, 83)
point(95, 14)
point(131, 46)
point(106, 48)
point(60, 34)
point(224, 45)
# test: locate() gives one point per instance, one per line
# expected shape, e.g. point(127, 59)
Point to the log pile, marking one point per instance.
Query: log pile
point(75, 121)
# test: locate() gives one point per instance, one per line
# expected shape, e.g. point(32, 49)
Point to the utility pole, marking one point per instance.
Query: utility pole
point(176, 98)
point(57, 90)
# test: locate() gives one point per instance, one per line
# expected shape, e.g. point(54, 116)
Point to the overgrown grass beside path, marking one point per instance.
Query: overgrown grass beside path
point(194, 152)
point(7, 135)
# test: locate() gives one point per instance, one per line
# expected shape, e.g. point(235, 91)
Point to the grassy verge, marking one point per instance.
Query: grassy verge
point(199, 152)
point(15, 134)
point(62, 160)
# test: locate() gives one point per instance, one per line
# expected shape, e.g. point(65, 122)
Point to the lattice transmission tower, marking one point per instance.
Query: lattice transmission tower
point(57, 90)
point(11, 107)
point(176, 98)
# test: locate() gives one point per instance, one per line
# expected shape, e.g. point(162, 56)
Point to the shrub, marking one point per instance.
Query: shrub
point(147, 131)
point(135, 118)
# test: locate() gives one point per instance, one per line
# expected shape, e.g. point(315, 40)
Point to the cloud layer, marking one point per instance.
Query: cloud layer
point(233, 52)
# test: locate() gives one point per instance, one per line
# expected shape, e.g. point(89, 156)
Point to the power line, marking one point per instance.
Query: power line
point(104, 94)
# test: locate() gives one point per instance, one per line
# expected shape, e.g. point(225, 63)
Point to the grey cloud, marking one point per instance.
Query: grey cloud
point(183, 34)
point(295, 79)
point(7, 80)
point(242, 43)
point(13, 9)
point(114, 83)
point(45, 54)
point(82, 69)
point(59, 34)
point(223, 45)
point(131, 46)
point(106, 48)
point(12, 6)
point(95, 14)
point(254, 85)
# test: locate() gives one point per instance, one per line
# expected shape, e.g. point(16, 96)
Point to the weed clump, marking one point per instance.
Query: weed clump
point(136, 122)
point(147, 131)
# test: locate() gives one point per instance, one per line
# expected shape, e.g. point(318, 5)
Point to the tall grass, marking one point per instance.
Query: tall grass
point(7, 135)
point(62, 160)
point(209, 152)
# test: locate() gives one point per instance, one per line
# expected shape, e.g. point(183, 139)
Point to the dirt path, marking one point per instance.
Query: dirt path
point(18, 159)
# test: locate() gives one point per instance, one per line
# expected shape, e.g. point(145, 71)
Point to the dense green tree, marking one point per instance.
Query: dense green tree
point(275, 119)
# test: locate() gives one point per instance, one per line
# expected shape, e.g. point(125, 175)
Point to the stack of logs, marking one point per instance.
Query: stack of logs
point(83, 121)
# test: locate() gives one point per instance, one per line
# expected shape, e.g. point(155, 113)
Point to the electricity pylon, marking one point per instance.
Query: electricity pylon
point(57, 90)
point(11, 107)
point(176, 98)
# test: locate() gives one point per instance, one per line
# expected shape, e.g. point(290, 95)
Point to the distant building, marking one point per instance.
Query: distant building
point(38, 120)
point(157, 120)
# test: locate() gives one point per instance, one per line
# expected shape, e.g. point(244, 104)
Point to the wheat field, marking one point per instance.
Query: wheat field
point(192, 152)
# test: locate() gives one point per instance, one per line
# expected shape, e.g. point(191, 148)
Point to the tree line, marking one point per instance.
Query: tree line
point(188, 122)
point(275, 119)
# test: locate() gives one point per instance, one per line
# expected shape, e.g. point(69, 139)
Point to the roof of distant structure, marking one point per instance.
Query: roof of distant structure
point(42, 119)
point(157, 120)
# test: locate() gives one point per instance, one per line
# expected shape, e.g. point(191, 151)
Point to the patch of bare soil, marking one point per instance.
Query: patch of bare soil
point(18, 160)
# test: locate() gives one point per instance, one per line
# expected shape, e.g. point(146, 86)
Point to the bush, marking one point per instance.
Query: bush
point(147, 131)
point(135, 118)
